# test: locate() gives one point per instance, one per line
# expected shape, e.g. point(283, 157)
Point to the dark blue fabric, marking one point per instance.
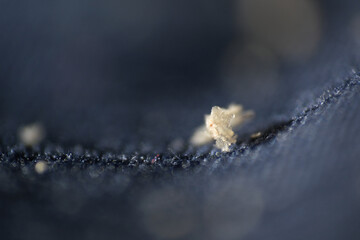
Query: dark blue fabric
point(115, 83)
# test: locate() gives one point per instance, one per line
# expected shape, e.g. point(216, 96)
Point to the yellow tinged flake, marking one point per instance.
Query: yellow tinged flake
point(219, 126)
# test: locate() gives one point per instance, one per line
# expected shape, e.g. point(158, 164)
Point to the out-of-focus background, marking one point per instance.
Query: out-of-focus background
point(121, 69)
point(111, 84)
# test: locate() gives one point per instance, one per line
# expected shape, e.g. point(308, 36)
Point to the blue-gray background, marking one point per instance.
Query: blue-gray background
point(134, 76)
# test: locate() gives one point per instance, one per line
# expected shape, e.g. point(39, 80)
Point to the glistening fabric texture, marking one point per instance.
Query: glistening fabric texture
point(120, 87)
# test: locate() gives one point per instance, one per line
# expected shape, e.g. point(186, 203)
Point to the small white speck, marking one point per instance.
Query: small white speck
point(41, 167)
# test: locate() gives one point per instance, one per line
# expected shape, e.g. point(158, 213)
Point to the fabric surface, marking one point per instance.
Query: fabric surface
point(120, 87)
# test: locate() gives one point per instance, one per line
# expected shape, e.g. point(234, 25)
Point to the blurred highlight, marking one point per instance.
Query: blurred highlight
point(232, 209)
point(355, 29)
point(168, 213)
point(291, 28)
point(253, 67)
point(32, 134)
